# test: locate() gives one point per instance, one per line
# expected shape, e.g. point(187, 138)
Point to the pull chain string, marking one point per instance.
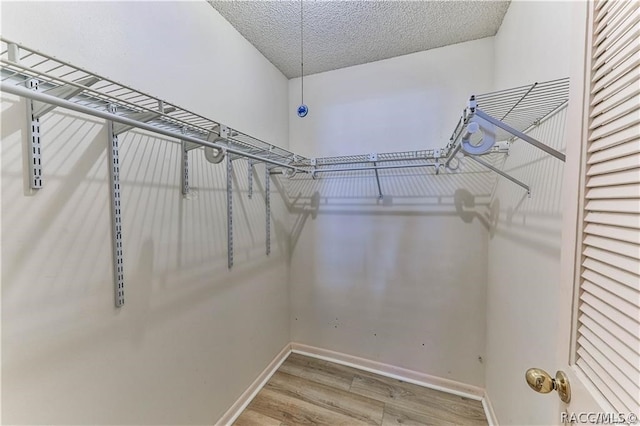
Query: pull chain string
point(301, 53)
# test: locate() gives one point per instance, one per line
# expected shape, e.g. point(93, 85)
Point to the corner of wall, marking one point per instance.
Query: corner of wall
point(524, 248)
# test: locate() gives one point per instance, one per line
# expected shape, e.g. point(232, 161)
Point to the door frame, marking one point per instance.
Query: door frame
point(585, 397)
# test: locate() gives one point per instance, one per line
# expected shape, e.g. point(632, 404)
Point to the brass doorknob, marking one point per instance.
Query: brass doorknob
point(541, 381)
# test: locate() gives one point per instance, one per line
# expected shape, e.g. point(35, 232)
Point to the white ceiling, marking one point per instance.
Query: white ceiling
point(339, 34)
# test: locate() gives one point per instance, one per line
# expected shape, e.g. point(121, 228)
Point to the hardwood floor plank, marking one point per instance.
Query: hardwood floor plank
point(343, 402)
point(394, 416)
point(308, 391)
point(253, 418)
point(416, 398)
point(293, 411)
point(319, 371)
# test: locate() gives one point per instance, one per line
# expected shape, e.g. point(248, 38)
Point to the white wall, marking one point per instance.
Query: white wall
point(180, 51)
point(400, 281)
point(532, 43)
point(192, 335)
point(407, 281)
point(524, 250)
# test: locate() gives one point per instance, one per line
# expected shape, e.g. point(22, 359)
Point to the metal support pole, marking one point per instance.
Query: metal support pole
point(116, 213)
point(267, 203)
point(500, 172)
point(560, 156)
point(229, 213)
point(250, 178)
point(34, 155)
point(184, 168)
point(380, 196)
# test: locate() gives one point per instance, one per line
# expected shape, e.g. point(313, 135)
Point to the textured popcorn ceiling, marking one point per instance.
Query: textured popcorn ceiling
point(339, 34)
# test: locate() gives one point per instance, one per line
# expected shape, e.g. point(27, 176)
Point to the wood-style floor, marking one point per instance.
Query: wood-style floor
point(308, 391)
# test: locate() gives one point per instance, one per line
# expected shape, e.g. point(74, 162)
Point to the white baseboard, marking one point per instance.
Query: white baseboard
point(387, 370)
point(488, 410)
point(247, 396)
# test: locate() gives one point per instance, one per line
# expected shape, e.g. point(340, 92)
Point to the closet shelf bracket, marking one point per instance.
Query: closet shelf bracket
point(250, 179)
point(267, 205)
point(229, 213)
point(116, 211)
point(500, 172)
point(66, 91)
point(373, 158)
point(557, 154)
point(190, 145)
point(184, 168)
point(142, 117)
point(35, 110)
point(35, 147)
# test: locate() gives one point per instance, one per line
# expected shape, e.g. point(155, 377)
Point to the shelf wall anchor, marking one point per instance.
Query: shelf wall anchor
point(13, 51)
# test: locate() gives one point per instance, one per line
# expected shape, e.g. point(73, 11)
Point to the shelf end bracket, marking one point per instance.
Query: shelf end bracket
point(501, 173)
point(66, 91)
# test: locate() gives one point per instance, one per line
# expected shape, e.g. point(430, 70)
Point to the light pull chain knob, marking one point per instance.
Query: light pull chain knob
point(542, 382)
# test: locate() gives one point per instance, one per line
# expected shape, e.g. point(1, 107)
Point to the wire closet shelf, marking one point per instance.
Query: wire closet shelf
point(89, 91)
point(47, 82)
point(515, 110)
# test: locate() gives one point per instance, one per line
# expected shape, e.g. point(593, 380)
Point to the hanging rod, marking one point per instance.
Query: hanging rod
point(353, 169)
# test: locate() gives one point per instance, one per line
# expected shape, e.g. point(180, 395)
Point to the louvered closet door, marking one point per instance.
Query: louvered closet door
point(608, 326)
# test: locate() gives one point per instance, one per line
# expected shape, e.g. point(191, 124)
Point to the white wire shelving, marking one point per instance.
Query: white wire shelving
point(483, 133)
point(515, 110)
point(89, 91)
